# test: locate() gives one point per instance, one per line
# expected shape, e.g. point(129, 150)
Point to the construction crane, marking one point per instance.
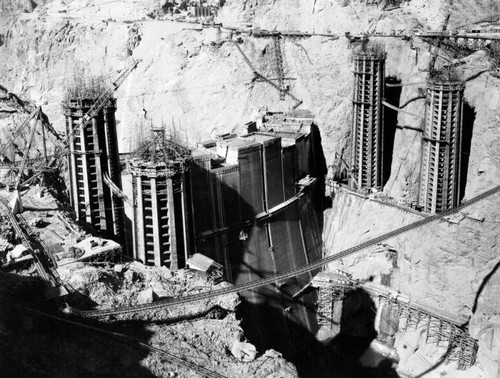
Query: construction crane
point(258, 75)
point(86, 119)
point(92, 112)
point(38, 120)
point(99, 104)
point(36, 115)
point(339, 162)
point(279, 66)
point(116, 190)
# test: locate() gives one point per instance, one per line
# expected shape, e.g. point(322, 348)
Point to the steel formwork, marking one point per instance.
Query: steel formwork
point(441, 152)
point(367, 131)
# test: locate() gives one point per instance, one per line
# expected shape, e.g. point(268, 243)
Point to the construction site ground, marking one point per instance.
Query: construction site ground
point(33, 345)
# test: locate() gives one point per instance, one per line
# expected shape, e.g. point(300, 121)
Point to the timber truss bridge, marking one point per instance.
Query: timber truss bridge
point(464, 44)
point(440, 328)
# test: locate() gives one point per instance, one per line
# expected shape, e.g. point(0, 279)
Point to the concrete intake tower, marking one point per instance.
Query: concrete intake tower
point(160, 192)
point(368, 122)
point(442, 141)
point(93, 153)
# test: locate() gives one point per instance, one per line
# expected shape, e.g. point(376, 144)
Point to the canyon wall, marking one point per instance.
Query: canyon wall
point(198, 89)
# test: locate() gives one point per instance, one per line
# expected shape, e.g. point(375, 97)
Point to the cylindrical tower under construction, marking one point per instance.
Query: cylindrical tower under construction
point(368, 122)
point(442, 141)
point(160, 192)
point(93, 155)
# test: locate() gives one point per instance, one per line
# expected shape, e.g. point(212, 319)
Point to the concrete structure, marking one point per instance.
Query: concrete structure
point(160, 192)
point(442, 141)
point(93, 154)
point(368, 123)
point(251, 215)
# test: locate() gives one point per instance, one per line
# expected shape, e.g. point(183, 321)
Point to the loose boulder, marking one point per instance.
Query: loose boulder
point(145, 296)
point(245, 352)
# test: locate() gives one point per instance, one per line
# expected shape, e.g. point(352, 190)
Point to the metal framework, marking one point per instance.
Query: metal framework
point(442, 332)
point(279, 66)
point(367, 131)
point(441, 152)
point(327, 296)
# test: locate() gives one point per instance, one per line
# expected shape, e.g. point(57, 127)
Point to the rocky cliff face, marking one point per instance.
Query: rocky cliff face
point(450, 264)
point(199, 90)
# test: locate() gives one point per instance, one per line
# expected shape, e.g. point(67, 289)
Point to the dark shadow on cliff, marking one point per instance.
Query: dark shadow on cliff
point(338, 357)
point(469, 117)
point(341, 354)
point(290, 238)
point(392, 96)
point(438, 363)
point(484, 282)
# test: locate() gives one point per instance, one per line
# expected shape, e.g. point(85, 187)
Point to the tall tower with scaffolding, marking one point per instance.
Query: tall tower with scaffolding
point(160, 193)
point(93, 154)
point(442, 141)
point(368, 122)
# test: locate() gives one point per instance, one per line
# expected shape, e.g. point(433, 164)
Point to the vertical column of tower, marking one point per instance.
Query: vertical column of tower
point(112, 165)
point(441, 152)
point(93, 153)
point(147, 232)
point(162, 235)
point(367, 131)
point(185, 219)
point(164, 231)
point(75, 167)
point(97, 194)
point(155, 221)
point(158, 232)
point(138, 219)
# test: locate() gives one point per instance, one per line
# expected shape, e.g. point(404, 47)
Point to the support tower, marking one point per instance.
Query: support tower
point(442, 140)
point(93, 154)
point(160, 191)
point(368, 123)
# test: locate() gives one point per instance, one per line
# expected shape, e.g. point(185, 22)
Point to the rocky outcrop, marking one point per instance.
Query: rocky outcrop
point(447, 264)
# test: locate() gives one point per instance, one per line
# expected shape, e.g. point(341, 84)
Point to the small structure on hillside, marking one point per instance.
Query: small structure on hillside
point(206, 266)
point(90, 249)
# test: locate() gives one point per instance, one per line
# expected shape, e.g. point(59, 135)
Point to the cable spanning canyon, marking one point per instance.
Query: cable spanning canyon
point(277, 277)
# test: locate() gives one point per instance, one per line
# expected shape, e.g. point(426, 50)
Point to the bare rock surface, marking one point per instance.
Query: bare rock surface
point(444, 264)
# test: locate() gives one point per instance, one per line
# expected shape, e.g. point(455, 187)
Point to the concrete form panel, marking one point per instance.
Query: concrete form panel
point(273, 175)
point(251, 181)
point(228, 199)
point(289, 157)
point(202, 200)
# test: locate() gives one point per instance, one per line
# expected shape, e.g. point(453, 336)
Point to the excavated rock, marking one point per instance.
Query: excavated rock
point(199, 90)
point(242, 351)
